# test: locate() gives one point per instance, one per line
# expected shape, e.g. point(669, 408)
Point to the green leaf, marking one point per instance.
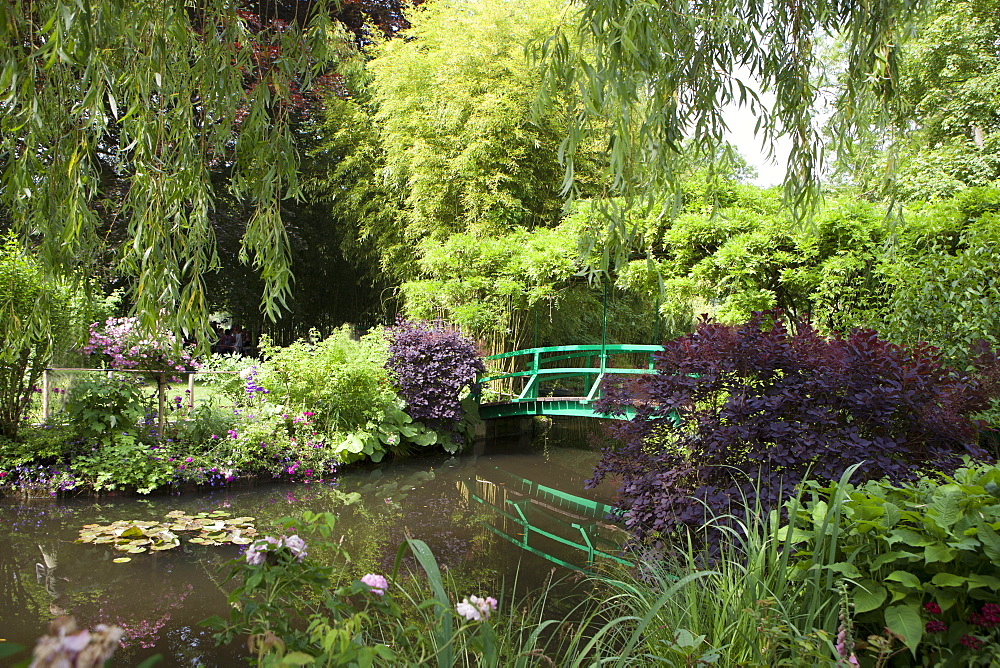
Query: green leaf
point(939, 553)
point(905, 578)
point(904, 620)
point(845, 569)
point(979, 580)
point(948, 580)
point(426, 560)
point(868, 595)
point(892, 515)
point(889, 557)
point(990, 540)
point(910, 537)
point(945, 508)
point(819, 513)
point(297, 659)
point(798, 535)
point(9, 649)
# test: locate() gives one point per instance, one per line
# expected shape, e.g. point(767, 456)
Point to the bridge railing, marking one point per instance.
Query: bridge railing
point(591, 363)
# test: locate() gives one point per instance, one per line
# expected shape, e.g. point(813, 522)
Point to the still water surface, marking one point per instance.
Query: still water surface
point(159, 598)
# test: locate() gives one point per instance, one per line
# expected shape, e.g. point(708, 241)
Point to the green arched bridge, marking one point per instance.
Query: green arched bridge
point(559, 380)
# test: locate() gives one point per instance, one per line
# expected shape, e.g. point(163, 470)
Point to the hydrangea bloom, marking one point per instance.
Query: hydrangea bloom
point(257, 553)
point(475, 608)
point(378, 583)
point(297, 547)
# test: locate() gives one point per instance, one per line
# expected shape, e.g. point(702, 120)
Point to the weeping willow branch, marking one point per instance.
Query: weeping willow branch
point(158, 96)
point(657, 75)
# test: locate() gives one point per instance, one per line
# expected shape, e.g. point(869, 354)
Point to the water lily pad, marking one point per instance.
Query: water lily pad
point(122, 560)
point(135, 537)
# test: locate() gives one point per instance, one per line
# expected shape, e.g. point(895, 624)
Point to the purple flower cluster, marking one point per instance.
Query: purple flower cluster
point(988, 617)
point(432, 365)
point(127, 346)
point(252, 388)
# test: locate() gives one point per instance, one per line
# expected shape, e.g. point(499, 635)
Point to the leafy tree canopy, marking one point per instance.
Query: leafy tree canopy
point(950, 82)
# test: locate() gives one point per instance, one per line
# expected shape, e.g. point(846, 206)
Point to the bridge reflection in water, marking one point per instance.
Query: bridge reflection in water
point(546, 521)
point(559, 380)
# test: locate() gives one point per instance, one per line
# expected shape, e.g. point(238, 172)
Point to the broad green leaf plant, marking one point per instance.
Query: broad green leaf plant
point(920, 560)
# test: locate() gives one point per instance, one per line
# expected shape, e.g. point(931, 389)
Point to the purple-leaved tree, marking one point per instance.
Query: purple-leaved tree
point(746, 412)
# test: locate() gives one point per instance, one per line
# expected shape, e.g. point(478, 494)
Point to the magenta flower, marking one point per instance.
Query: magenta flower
point(932, 608)
point(378, 583)
point(935, 626)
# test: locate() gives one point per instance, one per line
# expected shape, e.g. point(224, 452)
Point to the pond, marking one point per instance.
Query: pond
point(159, 597)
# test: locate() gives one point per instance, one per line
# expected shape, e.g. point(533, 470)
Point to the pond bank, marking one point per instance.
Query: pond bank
point(43, 572)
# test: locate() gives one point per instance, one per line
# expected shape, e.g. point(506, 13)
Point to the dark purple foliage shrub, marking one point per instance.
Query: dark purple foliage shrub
point(747, 412)
point(432, 365)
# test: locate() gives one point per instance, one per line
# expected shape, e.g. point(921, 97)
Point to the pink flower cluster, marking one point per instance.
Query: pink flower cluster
point(378, 583)
point(127, 346)
point(258, 551)
point(475, 608)
point(68, 645)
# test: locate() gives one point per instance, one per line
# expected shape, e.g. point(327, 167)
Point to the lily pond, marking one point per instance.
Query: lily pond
point(155, 565)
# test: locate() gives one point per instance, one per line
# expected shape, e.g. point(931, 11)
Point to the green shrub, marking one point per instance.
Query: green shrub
point(923, 560)
point(31, 310)
point(127, 463)
point(341, 381)
point(104, 407)
point(342, 387)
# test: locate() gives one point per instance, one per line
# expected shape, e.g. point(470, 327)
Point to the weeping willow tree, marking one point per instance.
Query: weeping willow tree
point(661, 73)
point(128, 119)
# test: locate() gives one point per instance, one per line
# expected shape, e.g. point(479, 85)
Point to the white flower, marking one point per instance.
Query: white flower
point(467, 610)
point(297, 546)
point(475, 608)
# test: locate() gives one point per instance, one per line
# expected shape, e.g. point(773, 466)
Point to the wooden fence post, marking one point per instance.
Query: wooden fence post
point(45, 395)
